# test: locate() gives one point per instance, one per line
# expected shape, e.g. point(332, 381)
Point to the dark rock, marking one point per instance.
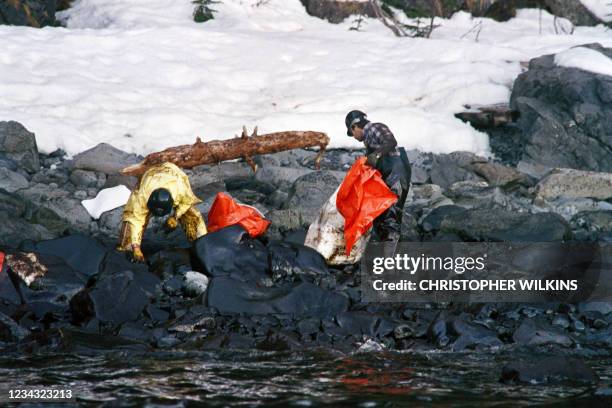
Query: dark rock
point(283, 222)
point(447, 169)
point(104, 158)
point(56, 284)
point(505, 10)
point(436, 332)
point(8, 291)
point(364, 323)
point(7, 163)
point(11, 331)
point(110, 222)
point(115, 298)
point(470, 335)
point(113, 180)
point(477, 194)
point(14, 230)
point(84, 178)
point(503, 225)
point(574, 11)
point(336, 11)
point(409, 229)
point(563, 116)
point(48, 176)
point(17, 143)
point(33, 13)
point(420, 164)
point(498, 175)
point(311, 191)
point(12, 181)
point(536, 332)
point(229, 295)
point(281, 177)
point(82, 253)
point(432, 222)
point(230, 251)
point(309, 326)
point(549, 370)
point(11, 204)
point(293, 262)
point(55, 210)
point(156, 314)
point(173, 285)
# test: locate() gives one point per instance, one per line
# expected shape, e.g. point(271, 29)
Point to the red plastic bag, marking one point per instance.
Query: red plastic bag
point(225, 211)
point(1, 260)
point(362, 197)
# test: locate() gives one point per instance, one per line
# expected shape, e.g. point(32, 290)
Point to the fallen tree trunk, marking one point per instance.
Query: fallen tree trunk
point(215, 151)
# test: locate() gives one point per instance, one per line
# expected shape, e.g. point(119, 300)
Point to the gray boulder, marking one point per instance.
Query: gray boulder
point(12, 181)
point(574, 11)
point(281, 177)
point(447, 169)
point(18, 144)
point(420, 163)
point(85, 178)
point(14, 230)
point(502, 225)
point(11, 204)
point(105, 159)
point(571, 183)
point(115, 298)
point(284, 221)
point(54, 209)
point(564, 116)
point(311, 191)
point(498, 175)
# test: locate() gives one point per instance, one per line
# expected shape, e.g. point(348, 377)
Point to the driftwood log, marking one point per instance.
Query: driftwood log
point(215, 151)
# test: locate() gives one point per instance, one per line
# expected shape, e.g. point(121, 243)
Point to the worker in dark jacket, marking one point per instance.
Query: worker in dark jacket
point(392, 162)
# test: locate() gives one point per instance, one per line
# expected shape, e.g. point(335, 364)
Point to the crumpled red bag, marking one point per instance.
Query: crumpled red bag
point(363, 196)
point(1, 260)
point(225, 212)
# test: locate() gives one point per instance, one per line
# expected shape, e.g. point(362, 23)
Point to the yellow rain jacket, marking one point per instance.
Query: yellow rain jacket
point(136, 214)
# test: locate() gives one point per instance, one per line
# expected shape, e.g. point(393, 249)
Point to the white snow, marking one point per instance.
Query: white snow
point(142, 76)
point(585, 59)
point(106, 200)
point(600, 8)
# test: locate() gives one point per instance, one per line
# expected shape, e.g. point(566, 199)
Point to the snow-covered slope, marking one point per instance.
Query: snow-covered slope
point(141, 75)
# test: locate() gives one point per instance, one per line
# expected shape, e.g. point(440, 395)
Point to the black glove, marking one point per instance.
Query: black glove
point(372, 159)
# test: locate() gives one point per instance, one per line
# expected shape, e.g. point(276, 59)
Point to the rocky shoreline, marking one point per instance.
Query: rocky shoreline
point(230, 291)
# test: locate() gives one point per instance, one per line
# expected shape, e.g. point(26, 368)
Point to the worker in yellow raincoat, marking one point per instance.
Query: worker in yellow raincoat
point(161, 189)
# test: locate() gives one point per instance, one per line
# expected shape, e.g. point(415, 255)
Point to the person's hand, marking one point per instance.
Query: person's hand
point(372, 159)
point(171, 224)
point(137, 255)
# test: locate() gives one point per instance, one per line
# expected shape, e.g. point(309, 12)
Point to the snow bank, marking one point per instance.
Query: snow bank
point(585, 59)
point(142, 76)
point(600, 8)
point(106, 200)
